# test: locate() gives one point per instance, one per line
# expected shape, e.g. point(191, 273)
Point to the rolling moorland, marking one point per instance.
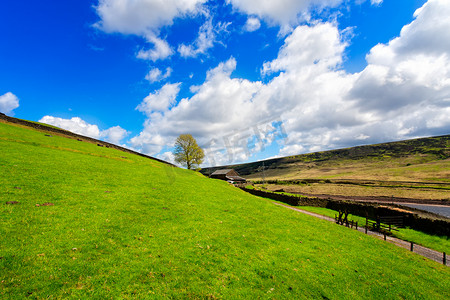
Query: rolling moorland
point(424, 159)
point(413, 171)
point(89, 221)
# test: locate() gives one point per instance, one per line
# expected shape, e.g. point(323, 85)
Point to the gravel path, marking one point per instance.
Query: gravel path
point(425, 252)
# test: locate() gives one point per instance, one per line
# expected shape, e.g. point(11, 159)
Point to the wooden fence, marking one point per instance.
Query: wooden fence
point(385, 224)
point(342, 219)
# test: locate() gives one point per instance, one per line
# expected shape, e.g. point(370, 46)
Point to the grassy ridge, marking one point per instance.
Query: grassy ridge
point(124, 226)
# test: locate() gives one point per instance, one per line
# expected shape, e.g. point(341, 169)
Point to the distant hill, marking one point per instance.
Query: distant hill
point(421, 159)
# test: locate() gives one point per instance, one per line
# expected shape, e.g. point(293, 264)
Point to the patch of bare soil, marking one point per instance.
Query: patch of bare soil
point(45, 204)
point(12, 202)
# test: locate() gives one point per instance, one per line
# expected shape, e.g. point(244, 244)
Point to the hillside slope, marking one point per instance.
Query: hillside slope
point(425, 159)
point(49, 129)
point(95, 222)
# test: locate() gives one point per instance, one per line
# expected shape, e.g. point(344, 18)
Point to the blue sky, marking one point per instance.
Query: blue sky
point(249, 79)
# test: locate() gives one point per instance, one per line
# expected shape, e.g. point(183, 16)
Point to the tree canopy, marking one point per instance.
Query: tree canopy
point(187, 152)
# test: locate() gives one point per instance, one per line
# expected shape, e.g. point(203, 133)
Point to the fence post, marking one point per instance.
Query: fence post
point(444, 259)
point(412, 247)
point(384, 236)
point(366, 225)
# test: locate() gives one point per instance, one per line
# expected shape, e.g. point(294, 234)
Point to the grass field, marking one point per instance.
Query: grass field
point(123, 226)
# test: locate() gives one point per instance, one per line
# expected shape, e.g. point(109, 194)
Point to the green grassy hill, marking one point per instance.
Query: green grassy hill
point(425, 159)
point(125, 226)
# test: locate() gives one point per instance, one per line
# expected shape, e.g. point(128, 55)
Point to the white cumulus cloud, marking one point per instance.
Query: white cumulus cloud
point(252, 24)
point(8, 102)
point(144, 18)
point(412, 69)
point(155, 74)
point(114, 134)
point(77, 125)
point(160, 100)
point(306, 46)
point(161, 49)
point(281, 12)
point(140, 17)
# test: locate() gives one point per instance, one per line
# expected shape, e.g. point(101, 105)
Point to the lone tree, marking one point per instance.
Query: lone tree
point(187, 152)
